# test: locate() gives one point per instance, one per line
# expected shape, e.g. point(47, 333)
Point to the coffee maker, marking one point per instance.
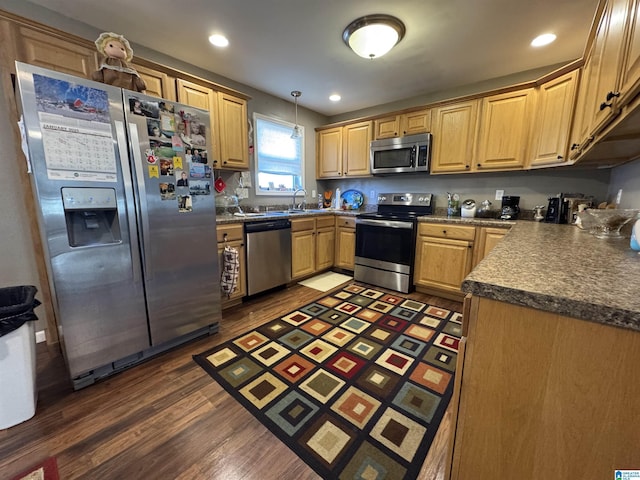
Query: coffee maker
point(510, 207)
point(563, 207)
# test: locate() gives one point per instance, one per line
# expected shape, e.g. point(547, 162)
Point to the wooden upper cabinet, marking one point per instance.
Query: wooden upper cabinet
point(630, 70)
point(504, 130)
point(329, 153)
point(416, 122)
point(202, 97)
point(159, 84)
point(409, 123)
point(606, 58)
point(233, 132)
point(62, 55)
point(552, 123)
point(454, 137)
point(387, 127)
point(356, 141)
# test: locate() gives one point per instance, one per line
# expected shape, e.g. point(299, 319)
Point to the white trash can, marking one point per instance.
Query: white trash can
point(18, 394)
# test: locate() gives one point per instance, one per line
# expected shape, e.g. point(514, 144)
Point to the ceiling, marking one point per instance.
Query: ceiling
point(282, 45)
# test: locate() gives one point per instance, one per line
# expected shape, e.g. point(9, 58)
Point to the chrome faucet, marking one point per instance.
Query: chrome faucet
point(301, 205)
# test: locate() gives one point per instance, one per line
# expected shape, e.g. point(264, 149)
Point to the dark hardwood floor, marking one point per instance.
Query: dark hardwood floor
point(166, 418)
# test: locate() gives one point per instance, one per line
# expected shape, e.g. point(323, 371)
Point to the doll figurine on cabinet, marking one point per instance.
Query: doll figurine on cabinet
point(115, 69)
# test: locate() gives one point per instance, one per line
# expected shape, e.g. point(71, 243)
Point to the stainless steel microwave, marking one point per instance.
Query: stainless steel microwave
point(410, 153)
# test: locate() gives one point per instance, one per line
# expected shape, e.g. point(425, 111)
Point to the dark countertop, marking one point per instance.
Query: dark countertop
point(562, 269)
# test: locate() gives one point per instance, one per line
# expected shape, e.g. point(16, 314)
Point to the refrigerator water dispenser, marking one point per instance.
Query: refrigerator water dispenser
point(91, 215)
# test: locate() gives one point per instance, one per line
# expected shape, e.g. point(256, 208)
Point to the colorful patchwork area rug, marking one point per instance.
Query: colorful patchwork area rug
point(355, 383)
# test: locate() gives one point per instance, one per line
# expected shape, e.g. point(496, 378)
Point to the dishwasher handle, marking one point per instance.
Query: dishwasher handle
point(262, 226)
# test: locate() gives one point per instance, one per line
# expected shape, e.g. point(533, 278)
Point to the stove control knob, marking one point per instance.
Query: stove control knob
point(382, 197)
point(421, 199)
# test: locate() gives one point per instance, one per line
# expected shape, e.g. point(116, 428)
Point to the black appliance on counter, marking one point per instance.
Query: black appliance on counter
point(386, 239)
point(510, 207)
point(563, 207)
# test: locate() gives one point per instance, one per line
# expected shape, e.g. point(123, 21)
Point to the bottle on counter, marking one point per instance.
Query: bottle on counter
point(635, 236)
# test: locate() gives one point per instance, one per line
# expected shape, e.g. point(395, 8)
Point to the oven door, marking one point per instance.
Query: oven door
point(385, 253)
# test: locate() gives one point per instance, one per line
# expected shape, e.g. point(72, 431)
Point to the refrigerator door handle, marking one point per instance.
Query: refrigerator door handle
point(128, 189)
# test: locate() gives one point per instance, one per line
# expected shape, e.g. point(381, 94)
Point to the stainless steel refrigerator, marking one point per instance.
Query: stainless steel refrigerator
point(127, 218)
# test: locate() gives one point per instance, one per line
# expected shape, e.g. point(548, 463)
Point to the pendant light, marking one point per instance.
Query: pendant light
point(297, 131)
point(372, 36)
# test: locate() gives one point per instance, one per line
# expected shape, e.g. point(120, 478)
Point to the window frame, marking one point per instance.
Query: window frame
point(266, 118)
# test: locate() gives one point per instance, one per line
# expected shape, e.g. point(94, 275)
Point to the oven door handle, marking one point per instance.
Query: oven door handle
point(384, 223)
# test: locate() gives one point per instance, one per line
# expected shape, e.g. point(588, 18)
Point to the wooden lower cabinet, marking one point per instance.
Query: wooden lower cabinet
point(312, 245)
point(487, 239)
point(232, 235)
point(443, 256)
point(544, 396)
point(345, 242)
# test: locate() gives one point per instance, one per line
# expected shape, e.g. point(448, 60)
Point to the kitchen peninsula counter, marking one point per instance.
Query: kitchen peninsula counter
point(547, 382)
point(565, 270)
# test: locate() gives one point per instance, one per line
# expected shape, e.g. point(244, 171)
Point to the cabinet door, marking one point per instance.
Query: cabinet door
point(488, 238)
point(555, 102)
point(329, 153)
point(416, 122)
point(345, 248)
point(454, 137)
point(54, 53)
point(387, 127)
point(442, 263)
point(325, 247)
point(607, 59)
point(630, 73)
point(202, 97)
point(303, 253)
point(159, 84)
point(504, 130)
point(233, 132)
point(356, 139)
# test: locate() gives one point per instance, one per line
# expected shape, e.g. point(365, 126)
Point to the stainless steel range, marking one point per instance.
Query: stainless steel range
point(386, 239)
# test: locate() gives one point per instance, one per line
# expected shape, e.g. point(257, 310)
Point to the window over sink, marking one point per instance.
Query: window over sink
point(279, 158)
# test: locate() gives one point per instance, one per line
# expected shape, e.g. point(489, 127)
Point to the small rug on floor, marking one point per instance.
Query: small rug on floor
point(355, 383)
point(326, 281)
point(45, 470)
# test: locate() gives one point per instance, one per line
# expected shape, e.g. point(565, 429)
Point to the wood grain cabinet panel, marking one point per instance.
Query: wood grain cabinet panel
point(552, 124)
point(454, 137)
point(345, 243)
point(40, 49)
point(504, 130)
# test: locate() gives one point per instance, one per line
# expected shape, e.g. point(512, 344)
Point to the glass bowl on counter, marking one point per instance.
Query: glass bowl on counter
point(606, 223)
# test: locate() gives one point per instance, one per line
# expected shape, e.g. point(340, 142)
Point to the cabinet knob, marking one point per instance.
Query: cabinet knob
point(479, 165)
point(560, 157)
point(224, 163)
point(604, 105)
point(575, 146)
point(467, 166)
point(444, 232)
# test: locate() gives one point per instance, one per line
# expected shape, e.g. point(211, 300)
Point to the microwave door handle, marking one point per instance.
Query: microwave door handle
point(413, 156)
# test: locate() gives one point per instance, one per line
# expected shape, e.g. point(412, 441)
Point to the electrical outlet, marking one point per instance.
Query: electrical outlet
point(373, 198)
point(313, 194)
point(619, 197)
point(499, 194)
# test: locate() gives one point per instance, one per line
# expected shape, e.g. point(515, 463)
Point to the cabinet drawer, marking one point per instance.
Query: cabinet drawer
point(346, 222)
point(300, 224)
point(232, 232)
point(323, 221)
point(447, 230)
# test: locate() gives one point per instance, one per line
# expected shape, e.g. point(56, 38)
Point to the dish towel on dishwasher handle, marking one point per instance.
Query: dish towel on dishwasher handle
point(230, 270)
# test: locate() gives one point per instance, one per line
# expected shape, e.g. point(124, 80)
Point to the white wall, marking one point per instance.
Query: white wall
point(627, 178)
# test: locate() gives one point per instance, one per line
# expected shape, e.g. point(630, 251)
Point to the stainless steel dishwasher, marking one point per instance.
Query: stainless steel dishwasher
point(268, 254)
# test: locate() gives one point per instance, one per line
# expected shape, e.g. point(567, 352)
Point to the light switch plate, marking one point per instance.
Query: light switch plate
point(499, 194)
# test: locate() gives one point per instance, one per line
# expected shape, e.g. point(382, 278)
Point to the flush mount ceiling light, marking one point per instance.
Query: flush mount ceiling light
point(373, 35)
point(335, 97)
point(218, 40)
point(297, 131)
point(542, 40)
